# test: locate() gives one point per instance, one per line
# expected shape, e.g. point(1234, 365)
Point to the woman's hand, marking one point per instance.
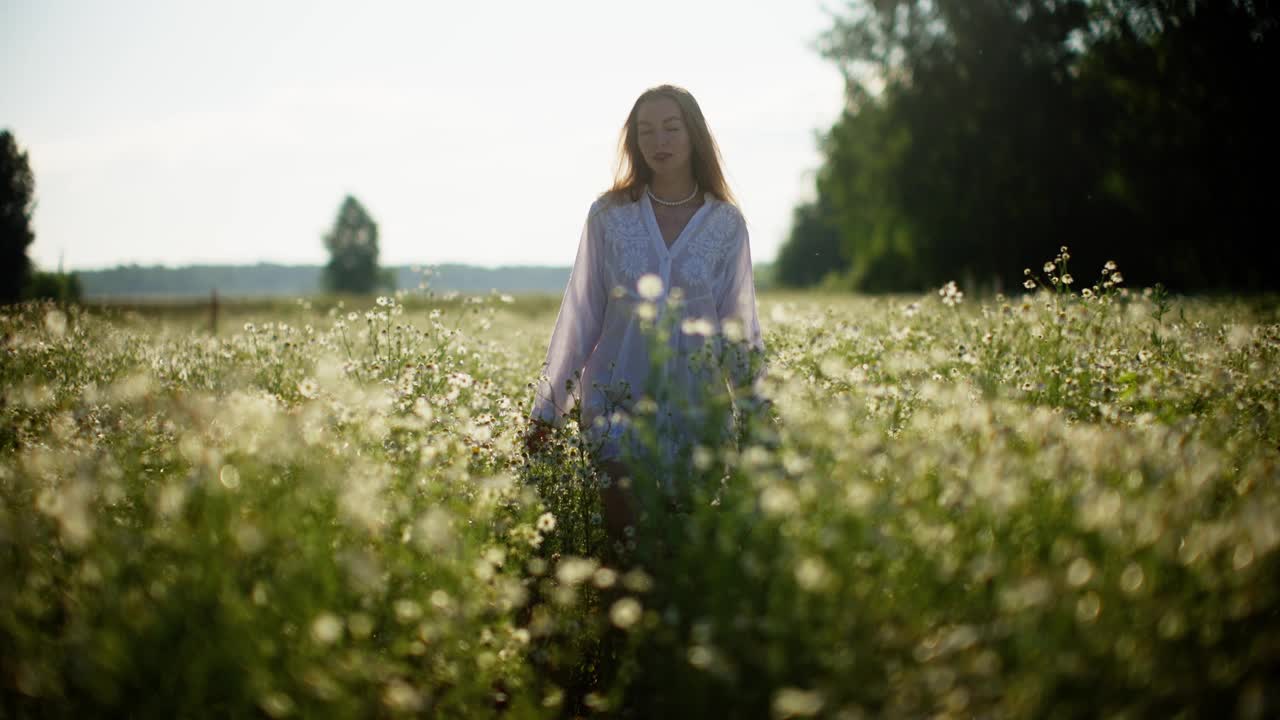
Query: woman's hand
point(618, 500)
point(537, 437)
point(756, 415)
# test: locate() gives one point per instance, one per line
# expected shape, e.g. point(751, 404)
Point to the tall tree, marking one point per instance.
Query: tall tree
point(813, 249)
point(981, 134)
point(968, 154)
point(1188, 161)
point(17, 188)
point(353, 250)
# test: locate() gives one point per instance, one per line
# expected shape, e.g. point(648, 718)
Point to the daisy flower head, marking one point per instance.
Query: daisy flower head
point(951, 295)
point(649, 286)
point(546, 522)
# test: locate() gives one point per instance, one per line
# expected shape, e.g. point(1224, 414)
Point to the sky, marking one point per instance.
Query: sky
point(173, 132)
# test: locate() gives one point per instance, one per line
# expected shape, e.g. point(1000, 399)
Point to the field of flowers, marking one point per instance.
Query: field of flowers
point(1059, 503)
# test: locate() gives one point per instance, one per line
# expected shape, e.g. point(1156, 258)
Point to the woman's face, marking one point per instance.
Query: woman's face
point(664, 139)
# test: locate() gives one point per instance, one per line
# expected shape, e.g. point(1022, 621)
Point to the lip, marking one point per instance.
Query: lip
point(661, 156)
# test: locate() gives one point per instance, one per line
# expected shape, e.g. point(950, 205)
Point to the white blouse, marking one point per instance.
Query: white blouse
point(706, 291)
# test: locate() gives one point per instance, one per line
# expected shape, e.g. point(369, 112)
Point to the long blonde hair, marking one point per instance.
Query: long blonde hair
point(633, 173)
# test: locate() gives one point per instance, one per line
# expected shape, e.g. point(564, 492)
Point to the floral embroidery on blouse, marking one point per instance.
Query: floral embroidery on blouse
point(710, 247)
point(627, 237)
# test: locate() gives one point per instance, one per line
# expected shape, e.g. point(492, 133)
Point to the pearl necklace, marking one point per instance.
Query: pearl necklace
point(669, 203)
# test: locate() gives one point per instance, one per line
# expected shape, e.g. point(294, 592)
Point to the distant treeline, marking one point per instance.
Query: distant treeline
point(980, 136)
point(266, 279)
point(271, 280)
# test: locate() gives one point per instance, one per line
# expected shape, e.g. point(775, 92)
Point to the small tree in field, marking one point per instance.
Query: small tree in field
point(17, 185)
point(353, 251)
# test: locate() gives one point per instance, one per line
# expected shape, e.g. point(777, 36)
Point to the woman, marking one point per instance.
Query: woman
point(667, 237)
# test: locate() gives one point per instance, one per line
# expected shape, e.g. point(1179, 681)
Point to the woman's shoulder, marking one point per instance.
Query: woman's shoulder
point(609, 203)
point(726, 216)
point(729, 210)
point(611, 199)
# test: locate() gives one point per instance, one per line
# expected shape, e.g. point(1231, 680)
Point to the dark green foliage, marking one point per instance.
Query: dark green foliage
point(353, 252)
point(59, 287)
point(1190, 159)
point(813, 248)
point(1133, 131)
point(17, 186)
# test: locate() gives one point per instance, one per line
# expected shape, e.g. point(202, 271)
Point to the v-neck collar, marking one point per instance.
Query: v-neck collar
point(689, 227)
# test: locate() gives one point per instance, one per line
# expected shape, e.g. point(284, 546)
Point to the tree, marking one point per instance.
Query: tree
point(958, 153)
point(57, 286)
point(1186, 172)
point(353, 251)
point(981, 134)
point(812, 250)
point(17, 186)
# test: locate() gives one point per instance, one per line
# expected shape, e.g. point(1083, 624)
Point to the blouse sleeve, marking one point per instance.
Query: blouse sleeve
point(738, 318)
point(577, 328)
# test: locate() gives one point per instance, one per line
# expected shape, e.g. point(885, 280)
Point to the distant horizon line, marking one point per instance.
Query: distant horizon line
point(281, 263)
point(277, 263)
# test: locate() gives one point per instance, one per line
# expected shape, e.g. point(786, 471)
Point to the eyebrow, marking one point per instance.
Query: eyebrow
point(669, 117)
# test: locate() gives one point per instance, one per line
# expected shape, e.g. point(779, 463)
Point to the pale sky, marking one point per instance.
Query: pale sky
point(176, 132)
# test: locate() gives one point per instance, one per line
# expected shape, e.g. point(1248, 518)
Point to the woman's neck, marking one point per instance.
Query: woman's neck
point(672, 188)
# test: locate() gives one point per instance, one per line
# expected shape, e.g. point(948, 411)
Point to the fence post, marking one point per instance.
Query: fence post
point(213, 311)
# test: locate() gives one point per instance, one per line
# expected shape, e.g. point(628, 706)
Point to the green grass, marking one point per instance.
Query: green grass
point(1040, 506)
